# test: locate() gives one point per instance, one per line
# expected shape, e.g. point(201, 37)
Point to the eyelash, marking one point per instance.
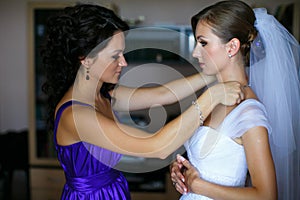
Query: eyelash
point(203, 43)
point(116, 57)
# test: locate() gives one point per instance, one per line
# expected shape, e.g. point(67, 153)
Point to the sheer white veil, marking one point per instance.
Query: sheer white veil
point(274, 68)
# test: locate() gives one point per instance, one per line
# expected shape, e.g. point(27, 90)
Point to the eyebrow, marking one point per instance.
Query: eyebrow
point(117, 51)
point(199, 37)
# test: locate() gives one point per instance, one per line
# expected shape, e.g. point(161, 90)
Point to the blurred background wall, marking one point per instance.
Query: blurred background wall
point(14, 46)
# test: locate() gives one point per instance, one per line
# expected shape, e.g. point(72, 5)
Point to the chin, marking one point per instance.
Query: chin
point(207, 73)
point(114, 81)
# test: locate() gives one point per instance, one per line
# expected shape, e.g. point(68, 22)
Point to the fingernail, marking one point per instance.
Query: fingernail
point(181, 158)
point(182, 179)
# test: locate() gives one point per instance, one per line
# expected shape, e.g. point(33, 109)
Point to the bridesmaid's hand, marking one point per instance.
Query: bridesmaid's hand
point(228, 93)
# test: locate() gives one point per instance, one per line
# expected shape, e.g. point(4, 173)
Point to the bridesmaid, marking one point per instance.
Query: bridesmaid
point(83, 58)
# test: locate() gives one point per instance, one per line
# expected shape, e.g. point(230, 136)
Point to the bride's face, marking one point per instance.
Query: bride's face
point(209, 50)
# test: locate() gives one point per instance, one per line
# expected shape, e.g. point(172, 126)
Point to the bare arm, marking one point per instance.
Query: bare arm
point(261, 168)
point(95, 128)
point(127, 98)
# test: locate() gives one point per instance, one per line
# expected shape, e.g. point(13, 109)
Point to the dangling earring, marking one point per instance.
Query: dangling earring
point(87, 77)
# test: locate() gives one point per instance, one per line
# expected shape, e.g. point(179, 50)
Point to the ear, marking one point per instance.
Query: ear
point(87, 62)
point(233, 47)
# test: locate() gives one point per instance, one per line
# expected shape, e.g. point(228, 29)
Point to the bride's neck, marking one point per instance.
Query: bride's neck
point(237, 74)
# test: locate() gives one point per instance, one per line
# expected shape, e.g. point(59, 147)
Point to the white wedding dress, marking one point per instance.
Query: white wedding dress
point(218, 158)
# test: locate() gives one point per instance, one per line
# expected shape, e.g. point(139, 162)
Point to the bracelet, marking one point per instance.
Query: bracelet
point(195, 103)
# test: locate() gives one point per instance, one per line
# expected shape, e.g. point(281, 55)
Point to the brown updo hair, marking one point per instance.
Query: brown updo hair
point(230, 19)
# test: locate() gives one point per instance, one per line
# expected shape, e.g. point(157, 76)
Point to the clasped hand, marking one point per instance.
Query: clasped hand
point(183, 175)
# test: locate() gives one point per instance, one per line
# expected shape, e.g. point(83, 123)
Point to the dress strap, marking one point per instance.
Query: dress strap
point(60, 111)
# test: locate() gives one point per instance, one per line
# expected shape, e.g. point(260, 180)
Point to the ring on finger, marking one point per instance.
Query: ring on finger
point(174, 183)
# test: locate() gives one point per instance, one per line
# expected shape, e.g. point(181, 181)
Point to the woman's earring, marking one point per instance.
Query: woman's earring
point(87, 77)
point(87, 64)
point(229, 55)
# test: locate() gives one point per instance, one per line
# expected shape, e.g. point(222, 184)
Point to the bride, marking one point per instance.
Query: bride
point(260, 134)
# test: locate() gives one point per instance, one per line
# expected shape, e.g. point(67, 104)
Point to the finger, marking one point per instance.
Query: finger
point(176, 175)
point(181, 188)
point(242, 96)
point(185, 162)
point(243, 92)
point(239, 99)
point(175, 178)
point(179, 165)
point(180, 177)
point(178, 158)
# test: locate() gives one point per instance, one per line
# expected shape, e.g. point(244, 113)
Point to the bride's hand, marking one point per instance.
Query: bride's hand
point(176, 170)
point(191, 175)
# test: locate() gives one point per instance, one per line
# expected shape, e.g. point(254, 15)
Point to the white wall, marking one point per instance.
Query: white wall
point(177, 11)
point(13, 65)
point(13, 44)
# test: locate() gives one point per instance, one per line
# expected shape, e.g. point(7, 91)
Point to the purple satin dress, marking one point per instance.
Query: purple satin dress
point(88, 169)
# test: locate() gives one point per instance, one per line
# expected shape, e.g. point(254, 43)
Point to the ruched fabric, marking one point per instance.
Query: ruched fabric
point(218, 158)
point(88, 183)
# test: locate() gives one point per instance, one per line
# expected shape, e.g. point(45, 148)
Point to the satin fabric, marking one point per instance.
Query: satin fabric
point(89, 169)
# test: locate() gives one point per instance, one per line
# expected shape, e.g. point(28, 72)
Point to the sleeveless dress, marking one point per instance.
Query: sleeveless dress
point(88, 169)
point(217, 157)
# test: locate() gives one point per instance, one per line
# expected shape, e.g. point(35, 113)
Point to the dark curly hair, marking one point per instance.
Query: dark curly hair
point(71, 36)
point(230, 19)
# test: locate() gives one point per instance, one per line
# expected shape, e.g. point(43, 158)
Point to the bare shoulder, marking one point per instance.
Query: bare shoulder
point(70, 119)
point(249, 93)
point(255, 137)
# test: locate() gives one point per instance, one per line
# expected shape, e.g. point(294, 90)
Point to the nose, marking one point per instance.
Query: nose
point(122, 61)
point(196, 51)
